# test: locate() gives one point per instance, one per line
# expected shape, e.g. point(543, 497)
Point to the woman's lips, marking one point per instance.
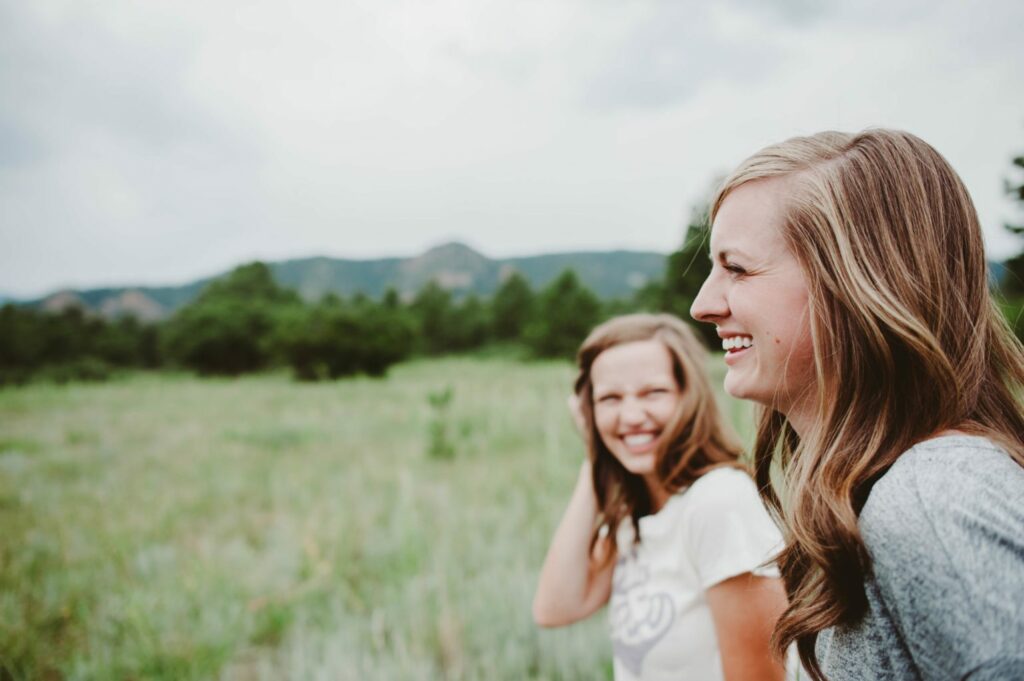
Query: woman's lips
point(733, 356)
point(639, 443)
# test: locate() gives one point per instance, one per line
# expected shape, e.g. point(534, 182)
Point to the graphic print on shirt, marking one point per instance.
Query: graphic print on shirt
point(640, 617)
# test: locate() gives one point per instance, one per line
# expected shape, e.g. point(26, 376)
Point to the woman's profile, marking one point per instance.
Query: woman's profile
point(850, 288)
point(664, 524)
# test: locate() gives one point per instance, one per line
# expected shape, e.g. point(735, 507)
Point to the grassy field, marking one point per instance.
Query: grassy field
point(168, 527)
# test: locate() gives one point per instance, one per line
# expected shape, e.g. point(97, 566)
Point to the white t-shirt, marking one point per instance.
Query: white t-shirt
point(660, 622)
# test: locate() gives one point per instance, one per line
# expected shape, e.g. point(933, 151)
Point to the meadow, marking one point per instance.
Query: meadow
point(162, 526)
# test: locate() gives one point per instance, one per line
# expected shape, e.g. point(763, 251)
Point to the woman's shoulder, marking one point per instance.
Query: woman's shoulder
point(945, 531)
point(947, 489)
point(930, 474)
point(719, 490)
point(722, 481)
point(729, 530)
point(724, 490)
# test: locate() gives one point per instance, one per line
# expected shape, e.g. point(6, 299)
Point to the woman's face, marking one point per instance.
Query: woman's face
point(756, 296)
point(635, 397)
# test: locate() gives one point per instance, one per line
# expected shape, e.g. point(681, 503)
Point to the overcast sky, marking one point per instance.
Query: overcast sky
point(154, 142)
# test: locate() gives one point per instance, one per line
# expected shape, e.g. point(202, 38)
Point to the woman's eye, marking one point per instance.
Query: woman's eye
point(734, 269)
point(608, 399)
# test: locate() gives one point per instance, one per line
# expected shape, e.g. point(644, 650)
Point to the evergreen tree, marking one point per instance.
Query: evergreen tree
point(391, 299)
point(253, 281)
point(333, 339)
point(468, 325)
point(446, 327)
point(685, 272)
point(228, 329)
point(1013, 280)
point(1015, 188)
point(432, 308)
point(512, 308)
point(70, 344)
point(686, 269)
point(651, 296)
point(388, 336)
point(1012, 284)
point(566, 312)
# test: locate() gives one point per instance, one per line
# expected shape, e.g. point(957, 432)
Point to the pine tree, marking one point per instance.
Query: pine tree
point(686, 271)
point(512, 307)
point(1013, 279)
point(566, 312)
point(228, 329)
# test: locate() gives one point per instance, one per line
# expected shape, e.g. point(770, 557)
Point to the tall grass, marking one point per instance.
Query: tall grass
point(167, 527)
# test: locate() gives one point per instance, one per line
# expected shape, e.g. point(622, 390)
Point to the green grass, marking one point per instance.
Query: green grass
point(168, 527)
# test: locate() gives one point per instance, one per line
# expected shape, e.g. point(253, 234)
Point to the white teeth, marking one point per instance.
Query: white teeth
point(736, 342)
point(639, 439)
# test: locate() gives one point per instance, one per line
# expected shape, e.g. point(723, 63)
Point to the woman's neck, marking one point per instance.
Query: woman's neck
point(801, 421)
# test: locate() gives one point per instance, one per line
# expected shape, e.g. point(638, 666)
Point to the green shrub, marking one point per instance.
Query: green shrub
point(90, 369)
point(228, 329)
point(1013, 310)
point(332, 339)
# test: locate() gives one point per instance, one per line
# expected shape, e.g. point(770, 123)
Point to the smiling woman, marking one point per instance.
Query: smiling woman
point(892, 439)
point(665, 525)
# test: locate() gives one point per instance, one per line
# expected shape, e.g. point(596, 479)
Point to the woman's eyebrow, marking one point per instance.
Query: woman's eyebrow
point(726, 253)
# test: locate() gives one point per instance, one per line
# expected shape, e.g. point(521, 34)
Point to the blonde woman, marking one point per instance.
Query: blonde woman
point(850, 290)
point(663, 523)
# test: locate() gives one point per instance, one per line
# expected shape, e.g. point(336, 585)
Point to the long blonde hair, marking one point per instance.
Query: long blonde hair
point(694, 442)
point(907, 343)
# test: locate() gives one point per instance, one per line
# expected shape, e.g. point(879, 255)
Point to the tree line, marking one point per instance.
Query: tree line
point(246, 322)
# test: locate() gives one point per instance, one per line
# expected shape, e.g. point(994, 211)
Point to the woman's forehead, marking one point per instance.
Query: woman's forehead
point(633, 363)
point(749, 221)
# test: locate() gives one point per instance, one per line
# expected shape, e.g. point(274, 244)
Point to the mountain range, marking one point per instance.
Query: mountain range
point(455, 266)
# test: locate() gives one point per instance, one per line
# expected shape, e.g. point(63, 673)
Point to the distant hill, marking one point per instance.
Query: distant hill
point(454, 266)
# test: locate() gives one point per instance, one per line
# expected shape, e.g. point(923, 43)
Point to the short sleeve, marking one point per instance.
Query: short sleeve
point(946, 537)
point(729, 531)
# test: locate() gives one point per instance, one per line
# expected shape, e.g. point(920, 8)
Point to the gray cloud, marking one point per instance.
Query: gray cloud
point(62, 78)
point(672, 52)
point(155, 142)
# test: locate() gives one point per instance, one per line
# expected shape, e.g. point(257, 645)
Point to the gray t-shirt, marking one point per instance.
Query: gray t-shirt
point(945, 531)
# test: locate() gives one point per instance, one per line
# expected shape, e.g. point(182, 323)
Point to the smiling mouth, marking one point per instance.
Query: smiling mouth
point(640, 443)
point(733, 344)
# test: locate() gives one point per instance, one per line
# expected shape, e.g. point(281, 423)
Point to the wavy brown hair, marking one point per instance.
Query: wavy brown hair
point(907, 343)
point(695, 441)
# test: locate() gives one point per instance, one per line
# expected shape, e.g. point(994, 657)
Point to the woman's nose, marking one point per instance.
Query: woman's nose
point(632, 412)
point(709, 305)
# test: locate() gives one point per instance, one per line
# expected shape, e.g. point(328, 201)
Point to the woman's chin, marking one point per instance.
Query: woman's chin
point(639, 464)
point(735, 386)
